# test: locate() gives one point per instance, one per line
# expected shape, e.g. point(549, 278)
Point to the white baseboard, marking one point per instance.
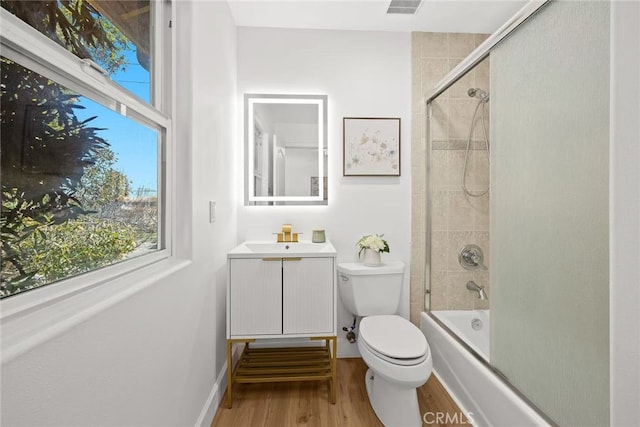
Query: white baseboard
point(213, 401)
point(210, 407)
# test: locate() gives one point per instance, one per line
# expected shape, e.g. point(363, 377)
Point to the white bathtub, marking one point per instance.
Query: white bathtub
point(479, 392)
point(470, 325)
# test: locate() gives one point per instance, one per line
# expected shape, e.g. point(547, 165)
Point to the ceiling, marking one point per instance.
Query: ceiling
point(464, 16)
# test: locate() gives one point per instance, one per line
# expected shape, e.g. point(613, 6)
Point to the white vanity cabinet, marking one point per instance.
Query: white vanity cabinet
point(282, 290)
point(255, 297)
point(281, 294)
point(308, 297)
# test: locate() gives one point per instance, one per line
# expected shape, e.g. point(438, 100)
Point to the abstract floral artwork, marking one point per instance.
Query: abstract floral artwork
point(371, 146)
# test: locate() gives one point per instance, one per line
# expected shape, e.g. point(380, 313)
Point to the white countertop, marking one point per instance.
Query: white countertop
point(263, 248)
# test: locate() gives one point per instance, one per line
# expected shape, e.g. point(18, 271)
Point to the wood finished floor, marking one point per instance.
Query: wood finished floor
point(307, 403)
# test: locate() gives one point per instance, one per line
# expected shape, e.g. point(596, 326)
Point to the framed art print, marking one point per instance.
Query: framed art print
point(371, 146)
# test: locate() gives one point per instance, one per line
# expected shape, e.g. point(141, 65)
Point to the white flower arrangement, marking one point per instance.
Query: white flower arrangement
point(375, 242)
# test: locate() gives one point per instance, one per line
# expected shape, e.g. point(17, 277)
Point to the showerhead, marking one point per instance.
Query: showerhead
point(476, 92)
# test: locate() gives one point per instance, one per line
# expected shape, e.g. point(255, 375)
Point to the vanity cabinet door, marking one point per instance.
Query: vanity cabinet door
point(255, 297)
point(307, 287)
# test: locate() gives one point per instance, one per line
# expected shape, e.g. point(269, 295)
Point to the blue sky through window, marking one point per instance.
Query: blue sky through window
point(135, 145)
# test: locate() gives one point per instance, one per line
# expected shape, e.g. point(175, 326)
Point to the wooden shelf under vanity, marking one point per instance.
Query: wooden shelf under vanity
point(282, 364)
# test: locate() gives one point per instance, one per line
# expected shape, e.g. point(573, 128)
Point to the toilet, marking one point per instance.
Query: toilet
point(394, 349)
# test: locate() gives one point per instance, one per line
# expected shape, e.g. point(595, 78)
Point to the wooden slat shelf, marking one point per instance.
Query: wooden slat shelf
point(260, 365)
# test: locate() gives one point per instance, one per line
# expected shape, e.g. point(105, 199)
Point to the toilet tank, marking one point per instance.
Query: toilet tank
point(367, 291)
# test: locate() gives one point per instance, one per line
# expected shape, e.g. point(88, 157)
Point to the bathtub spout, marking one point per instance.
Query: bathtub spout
point(472, 286)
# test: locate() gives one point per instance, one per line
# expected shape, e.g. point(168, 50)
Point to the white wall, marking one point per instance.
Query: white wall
point(364, 74)
point(149, 348)
point(213, 121)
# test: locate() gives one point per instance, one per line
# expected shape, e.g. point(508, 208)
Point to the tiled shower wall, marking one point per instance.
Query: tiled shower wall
point(457, 219)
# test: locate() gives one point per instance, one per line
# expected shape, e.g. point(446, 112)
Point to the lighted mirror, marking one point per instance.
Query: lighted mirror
point(285, 149)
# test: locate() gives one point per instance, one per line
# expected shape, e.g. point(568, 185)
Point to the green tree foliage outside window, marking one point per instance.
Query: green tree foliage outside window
point(60, 192)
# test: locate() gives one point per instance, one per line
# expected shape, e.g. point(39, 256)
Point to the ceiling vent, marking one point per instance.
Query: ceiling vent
point(407, 7)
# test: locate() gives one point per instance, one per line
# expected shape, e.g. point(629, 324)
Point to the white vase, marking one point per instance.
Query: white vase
point(371, 258)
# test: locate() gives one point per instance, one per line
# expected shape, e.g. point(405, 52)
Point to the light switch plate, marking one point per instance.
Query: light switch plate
point(212, 211)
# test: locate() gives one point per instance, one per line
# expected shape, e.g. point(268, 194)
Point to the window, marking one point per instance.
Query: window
point(115, 34)
point(83, 138)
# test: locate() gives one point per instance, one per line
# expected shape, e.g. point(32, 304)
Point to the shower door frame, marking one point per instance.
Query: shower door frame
point(482, 51)
point(467, 64)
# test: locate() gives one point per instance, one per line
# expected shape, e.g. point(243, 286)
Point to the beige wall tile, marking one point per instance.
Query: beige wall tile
point(439, 253)
point(456, 166)
point(478, 131)
point(433, 70)
point(416, 44)
point(418, 105)
point(481, 238)
point(415, 309)
point(457, 240)
point(418, 171)
point(460, 212)
point(418, 255)
point(460, 44)
point(439, 169)
point(439, 210)
point(481, 72)
point(417, 272)
point(416, 298)
point(419, 225)
point(478, 170)
point(453, 62)
point(459, 120)
point(459, 297)
point(417, 285)
point(418, 153)
point(480, 304)
point(419, 178)
point(479, 38)
point(438, 292)
point(460, 88)
point(418, 123)
point(439, 124)
point(454, 215)
point(480, 206)
point(435, 45)
point(416, 79)
point(482, 279)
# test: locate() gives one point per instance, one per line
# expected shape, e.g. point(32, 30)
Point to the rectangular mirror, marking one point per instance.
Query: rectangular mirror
point(285, 149)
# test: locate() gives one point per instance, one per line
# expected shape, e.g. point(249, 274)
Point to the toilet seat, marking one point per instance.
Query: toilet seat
point(392, 360)
point(394, 339)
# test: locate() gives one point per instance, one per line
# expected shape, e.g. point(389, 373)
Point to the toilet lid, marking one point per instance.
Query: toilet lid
point(393, 336)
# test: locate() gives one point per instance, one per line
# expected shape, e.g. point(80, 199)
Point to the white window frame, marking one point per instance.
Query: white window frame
point(33, 50)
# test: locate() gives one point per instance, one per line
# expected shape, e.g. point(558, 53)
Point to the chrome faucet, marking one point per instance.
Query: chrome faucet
point(473, 286)
point(471, 257)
